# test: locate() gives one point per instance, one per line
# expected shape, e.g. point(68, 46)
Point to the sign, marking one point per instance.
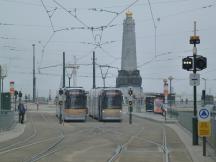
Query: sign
point(204, 122)
point(165, 88)
point(204, 114)
point(12, 88)
point(204, 128)
point(194, 79)
point(158, 104)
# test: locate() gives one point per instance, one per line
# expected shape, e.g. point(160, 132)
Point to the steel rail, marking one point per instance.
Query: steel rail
point(120, 148)
point(47, 151)
point(7, 148)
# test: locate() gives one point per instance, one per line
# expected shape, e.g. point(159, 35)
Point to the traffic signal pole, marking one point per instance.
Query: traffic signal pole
point(194, 119)
point(194, 63)
point(130, 103)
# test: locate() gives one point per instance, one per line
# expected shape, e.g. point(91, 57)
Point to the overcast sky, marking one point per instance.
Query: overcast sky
point(66, 25)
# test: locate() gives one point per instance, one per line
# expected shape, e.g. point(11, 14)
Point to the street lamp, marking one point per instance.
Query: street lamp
point(205, 83)
point(165, 90)
point(170, 79)
point(170, 94)
point(204, 92)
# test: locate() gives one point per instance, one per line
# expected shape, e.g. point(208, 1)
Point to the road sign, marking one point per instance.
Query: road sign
point(204, 122)
point(204, 128)
point(194, 79)
point(204, 114)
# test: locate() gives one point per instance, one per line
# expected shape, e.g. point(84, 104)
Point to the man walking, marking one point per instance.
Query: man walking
point(21, 110)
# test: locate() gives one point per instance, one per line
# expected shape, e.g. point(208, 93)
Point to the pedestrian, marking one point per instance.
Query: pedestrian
point(21, 110)
point(37, 105)
point(163, 110)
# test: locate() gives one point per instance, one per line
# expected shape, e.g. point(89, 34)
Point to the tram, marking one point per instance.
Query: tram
point(74, 105)
point(105, 104)
point(149, 101)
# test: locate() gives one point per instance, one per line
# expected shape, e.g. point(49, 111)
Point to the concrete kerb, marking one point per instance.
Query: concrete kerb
point(185, 136)
point(155, 118)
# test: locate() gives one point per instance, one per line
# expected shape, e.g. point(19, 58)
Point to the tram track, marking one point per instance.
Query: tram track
point(35, 142)
point(108, 141)
point(122, 147)
point(47, 151)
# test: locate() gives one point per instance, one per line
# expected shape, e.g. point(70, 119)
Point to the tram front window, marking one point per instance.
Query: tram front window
point(75, 102)
point(113, 101)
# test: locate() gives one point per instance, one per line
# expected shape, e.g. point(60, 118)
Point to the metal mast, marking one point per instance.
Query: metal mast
point(34, 78)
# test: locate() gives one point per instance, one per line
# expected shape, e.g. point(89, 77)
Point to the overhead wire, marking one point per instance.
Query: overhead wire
point(44, 46)
point(49, 16)
point(75, 16)
point(121, 12)
point(155, 28)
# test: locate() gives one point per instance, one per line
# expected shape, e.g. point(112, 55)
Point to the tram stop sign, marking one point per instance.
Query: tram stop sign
point(204, 122)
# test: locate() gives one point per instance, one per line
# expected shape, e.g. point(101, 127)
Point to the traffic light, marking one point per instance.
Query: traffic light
point(203, 95)
point(187, 63)
point(130, 92)
point(20, 94)
point(201, 62)
point(16, 94)
point(130, 103)
point(61, 92)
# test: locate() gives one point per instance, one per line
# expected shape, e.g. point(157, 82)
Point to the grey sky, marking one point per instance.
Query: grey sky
point(25, 22)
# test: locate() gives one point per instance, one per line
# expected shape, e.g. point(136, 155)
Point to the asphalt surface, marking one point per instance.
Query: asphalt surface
point(44, 140)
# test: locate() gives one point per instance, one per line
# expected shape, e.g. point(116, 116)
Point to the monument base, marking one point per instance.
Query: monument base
point(128, 78)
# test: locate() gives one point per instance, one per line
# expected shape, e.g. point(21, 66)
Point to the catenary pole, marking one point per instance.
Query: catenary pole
point(63, 84)
point(94, 84)
point(34, 78)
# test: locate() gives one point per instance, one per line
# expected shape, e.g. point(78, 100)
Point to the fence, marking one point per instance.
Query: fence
point(183, 112)
point(185, 119)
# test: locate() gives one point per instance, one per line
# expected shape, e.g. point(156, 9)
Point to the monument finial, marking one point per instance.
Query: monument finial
point(129, 13)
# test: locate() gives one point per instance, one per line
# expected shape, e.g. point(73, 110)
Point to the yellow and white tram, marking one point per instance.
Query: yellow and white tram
point(74, 106)
point(105, 104)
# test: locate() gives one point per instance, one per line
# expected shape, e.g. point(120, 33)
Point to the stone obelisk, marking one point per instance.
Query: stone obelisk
point(129, 76)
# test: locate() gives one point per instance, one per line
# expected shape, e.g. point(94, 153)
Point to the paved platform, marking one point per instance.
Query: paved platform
point(196, 152)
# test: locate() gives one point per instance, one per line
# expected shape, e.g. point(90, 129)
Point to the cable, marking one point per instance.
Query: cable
point(75, 16)
point(21, 2)
point(107, 53)
point(121, 12)
point(155, 28)
point(44, 46)
point(50, 66)
point(49, 16)
point(152, 14)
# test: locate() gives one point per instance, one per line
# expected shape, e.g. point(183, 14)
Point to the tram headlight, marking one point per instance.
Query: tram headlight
point(120, 111)
point(103, 111)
